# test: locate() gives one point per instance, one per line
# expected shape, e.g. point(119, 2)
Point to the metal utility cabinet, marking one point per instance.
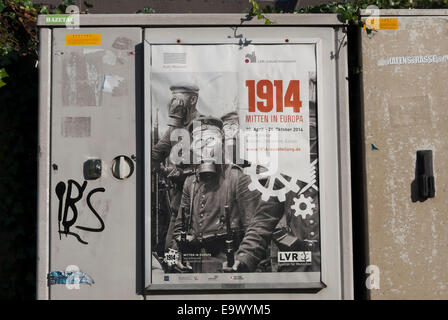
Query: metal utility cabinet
point(405, 139)
point(94, 145)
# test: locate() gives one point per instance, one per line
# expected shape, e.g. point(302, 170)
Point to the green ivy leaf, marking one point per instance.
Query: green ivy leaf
point(28, 4)
point(3, 74)
point(67, 3)
point(146, 10)
point(2, 6)
point(44, 10)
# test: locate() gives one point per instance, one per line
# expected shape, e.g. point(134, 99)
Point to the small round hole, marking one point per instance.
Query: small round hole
point(122, 167)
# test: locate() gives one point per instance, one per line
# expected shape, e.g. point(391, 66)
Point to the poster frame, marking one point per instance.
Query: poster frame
point(325, 41)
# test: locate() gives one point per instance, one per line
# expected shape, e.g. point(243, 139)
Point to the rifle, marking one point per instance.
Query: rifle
point(229, 239)
point(156, 187)
point(183, 236)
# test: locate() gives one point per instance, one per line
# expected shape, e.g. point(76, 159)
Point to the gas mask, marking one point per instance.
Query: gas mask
point(207, 145)
point(181, 108)
point(230, 130)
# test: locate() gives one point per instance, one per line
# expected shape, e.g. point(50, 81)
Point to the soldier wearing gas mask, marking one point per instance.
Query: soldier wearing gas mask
point(181, 111)
point(216, 206)
point(231, 129)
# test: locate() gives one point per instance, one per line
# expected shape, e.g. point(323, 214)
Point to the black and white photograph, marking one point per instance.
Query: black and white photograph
point(234, 165)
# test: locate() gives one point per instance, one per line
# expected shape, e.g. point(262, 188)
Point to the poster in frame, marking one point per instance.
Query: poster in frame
point(258, 208)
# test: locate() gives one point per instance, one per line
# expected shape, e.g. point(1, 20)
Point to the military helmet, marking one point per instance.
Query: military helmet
point(184, 87)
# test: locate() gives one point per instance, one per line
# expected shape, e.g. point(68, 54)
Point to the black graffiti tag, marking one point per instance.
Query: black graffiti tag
point(70, 205)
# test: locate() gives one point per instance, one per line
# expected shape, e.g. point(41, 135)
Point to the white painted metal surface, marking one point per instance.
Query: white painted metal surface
point(111, 257)
point(93, 117)
point(179, 20)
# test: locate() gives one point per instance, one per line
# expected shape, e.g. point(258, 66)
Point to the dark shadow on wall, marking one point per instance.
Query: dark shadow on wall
point(140, 171)
point(18, 178)
point(357, 149)
point(415, 194)
point(185, 6)
point(285, 5)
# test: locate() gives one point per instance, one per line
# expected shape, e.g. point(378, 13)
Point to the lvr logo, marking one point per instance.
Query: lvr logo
point(373, 280)
point(250, 57)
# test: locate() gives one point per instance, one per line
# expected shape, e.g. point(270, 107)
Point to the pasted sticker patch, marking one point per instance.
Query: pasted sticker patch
point(72, 277)
point(381, 23)
point(110, 58)
point(122, 43)
point(60, 19)
point(114, 84)
point(76, 127)
point(91, 50)
point(83, 39)
point(82, 77)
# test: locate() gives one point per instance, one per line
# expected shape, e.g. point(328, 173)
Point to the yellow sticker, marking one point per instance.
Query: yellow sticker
point(82, 39)
point(382, 23)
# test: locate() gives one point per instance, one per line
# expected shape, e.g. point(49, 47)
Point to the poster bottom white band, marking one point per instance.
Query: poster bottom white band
point(292, 280)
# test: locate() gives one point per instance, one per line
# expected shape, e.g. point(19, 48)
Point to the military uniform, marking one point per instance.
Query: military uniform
point(277, 222)
point(163, 147)
point(205, 202)
point(231, 132)
point(162, 151)
point(159, 153)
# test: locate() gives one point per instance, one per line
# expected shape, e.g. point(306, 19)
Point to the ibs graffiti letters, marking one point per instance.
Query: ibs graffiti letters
point(70, 204)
